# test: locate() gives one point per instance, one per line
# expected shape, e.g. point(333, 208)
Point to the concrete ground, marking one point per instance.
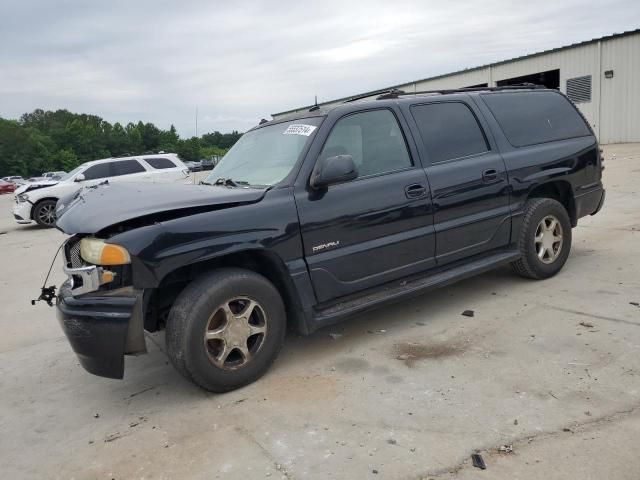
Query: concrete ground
point(549, 369)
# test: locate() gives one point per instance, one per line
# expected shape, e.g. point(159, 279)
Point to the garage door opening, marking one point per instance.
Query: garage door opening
point(550, 79)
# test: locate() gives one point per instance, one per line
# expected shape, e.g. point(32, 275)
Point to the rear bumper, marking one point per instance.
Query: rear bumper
point(601, 202)
point(102, 328)
point(589, 203)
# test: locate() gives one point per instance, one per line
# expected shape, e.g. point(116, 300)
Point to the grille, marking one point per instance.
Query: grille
point(73, 257)
point(579, 89)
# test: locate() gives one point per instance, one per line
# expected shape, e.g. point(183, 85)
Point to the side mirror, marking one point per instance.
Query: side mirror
point(79, 178)
point(332, 170)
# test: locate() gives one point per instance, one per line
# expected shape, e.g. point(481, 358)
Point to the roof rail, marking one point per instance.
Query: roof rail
point(367, 95)
point(395, 93)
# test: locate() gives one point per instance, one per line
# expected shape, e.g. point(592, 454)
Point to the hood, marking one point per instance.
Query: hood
point(92, 209)
point(27, 187)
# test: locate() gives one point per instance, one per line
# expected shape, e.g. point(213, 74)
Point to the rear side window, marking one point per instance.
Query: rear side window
point(94, 172)
point(126, 167)
point(160, 163)
point(449, 130)
point(535, 117)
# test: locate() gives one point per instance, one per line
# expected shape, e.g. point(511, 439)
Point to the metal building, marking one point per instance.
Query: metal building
point(601, 76)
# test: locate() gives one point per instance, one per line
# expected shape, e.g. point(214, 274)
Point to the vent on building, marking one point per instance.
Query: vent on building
point(579, 89)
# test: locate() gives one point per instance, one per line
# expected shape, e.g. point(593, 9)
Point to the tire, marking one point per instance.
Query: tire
point(44, 213)
point(536, 237)
point(199, 311)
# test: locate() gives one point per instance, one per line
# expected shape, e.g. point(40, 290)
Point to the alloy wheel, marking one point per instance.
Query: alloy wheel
point(47, 214)
point(548, 239)
point(235, 333)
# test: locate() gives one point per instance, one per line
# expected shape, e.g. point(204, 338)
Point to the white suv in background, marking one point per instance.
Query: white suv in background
point(37, 201)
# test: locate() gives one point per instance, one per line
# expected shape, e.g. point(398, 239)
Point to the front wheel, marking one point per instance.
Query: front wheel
point(545, 239)
point(225, 329)
point(44, 213)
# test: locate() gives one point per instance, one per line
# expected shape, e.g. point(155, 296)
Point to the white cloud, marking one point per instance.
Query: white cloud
point(157, 60)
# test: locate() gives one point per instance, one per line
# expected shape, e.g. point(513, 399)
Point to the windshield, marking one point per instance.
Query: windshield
point(266, 155)
point(71, 174)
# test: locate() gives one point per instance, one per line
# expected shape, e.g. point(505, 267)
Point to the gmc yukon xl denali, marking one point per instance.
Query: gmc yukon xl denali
point(322, 215)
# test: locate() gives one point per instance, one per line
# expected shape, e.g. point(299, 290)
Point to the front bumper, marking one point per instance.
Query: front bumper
point(102, 327)
point(22, 212)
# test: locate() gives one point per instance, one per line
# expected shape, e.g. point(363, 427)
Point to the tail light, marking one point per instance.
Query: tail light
point(601, 158)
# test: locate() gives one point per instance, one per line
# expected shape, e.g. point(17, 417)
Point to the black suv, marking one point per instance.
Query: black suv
point(315, 217)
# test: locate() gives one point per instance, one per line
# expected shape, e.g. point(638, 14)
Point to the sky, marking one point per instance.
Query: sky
point(237, 62)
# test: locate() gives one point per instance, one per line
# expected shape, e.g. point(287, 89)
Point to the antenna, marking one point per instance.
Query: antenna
point(315, 105)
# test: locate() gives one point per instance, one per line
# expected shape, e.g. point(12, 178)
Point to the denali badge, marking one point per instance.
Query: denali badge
point(324, 246)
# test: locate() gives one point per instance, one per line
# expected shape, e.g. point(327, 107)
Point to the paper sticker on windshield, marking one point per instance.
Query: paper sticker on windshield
point(299, 129)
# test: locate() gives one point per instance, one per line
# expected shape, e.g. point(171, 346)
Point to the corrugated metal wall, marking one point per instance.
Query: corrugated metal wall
point(620, 95)
point(614, 109)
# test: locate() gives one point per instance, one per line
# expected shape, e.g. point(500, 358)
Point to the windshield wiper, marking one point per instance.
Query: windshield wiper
point(228, 182)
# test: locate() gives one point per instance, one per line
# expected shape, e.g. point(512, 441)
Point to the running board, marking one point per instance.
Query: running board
point(400, 290)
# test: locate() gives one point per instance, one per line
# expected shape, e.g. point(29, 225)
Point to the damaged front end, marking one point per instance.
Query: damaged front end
point(100, 313)
point(101, 307)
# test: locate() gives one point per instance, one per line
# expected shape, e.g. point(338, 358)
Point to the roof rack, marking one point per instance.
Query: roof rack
point(367, 95)
point(395, 93)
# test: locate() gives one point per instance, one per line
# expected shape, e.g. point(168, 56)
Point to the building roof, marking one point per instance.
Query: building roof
point(471, 69)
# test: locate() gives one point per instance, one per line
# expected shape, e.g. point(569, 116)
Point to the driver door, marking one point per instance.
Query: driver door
point(376, 228)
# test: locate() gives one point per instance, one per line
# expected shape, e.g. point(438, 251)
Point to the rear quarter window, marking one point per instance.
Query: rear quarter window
point(160, 163)
point(535, 117)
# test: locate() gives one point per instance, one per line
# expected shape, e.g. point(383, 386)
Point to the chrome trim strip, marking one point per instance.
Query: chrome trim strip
point(90, 275)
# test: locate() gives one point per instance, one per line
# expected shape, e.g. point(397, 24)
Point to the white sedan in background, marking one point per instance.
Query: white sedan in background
point(37, 201)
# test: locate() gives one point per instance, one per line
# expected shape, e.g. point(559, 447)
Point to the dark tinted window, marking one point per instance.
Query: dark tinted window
point(535, 117)
point(449, 130)
point(373, 139)
point(160, 163)
point(126, 167)
point(97, 171)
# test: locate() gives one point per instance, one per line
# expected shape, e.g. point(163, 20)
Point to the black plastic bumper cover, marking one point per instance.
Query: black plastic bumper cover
point(96, 327)
point(589, 203)
point(601, 203)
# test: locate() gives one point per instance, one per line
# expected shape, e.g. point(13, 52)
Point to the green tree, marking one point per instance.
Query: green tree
point(134, 139)
point(45, 140)
point(169, 140)
point(65, 159)
point(189, 149)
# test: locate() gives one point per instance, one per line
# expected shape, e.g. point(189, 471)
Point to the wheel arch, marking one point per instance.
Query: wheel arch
point(559, 190)
point(38, 202)
point(261, 261)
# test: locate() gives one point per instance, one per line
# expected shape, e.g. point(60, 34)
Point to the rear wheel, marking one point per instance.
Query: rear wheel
point(545, 239)
point(225, 329)
point(44, 213)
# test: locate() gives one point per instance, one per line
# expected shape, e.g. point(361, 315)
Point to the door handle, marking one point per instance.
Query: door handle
point(415, 191)
point(490, 175)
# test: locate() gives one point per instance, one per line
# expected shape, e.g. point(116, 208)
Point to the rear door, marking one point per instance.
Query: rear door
point(376, 228)
point(130, 170)
point(467, 175)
